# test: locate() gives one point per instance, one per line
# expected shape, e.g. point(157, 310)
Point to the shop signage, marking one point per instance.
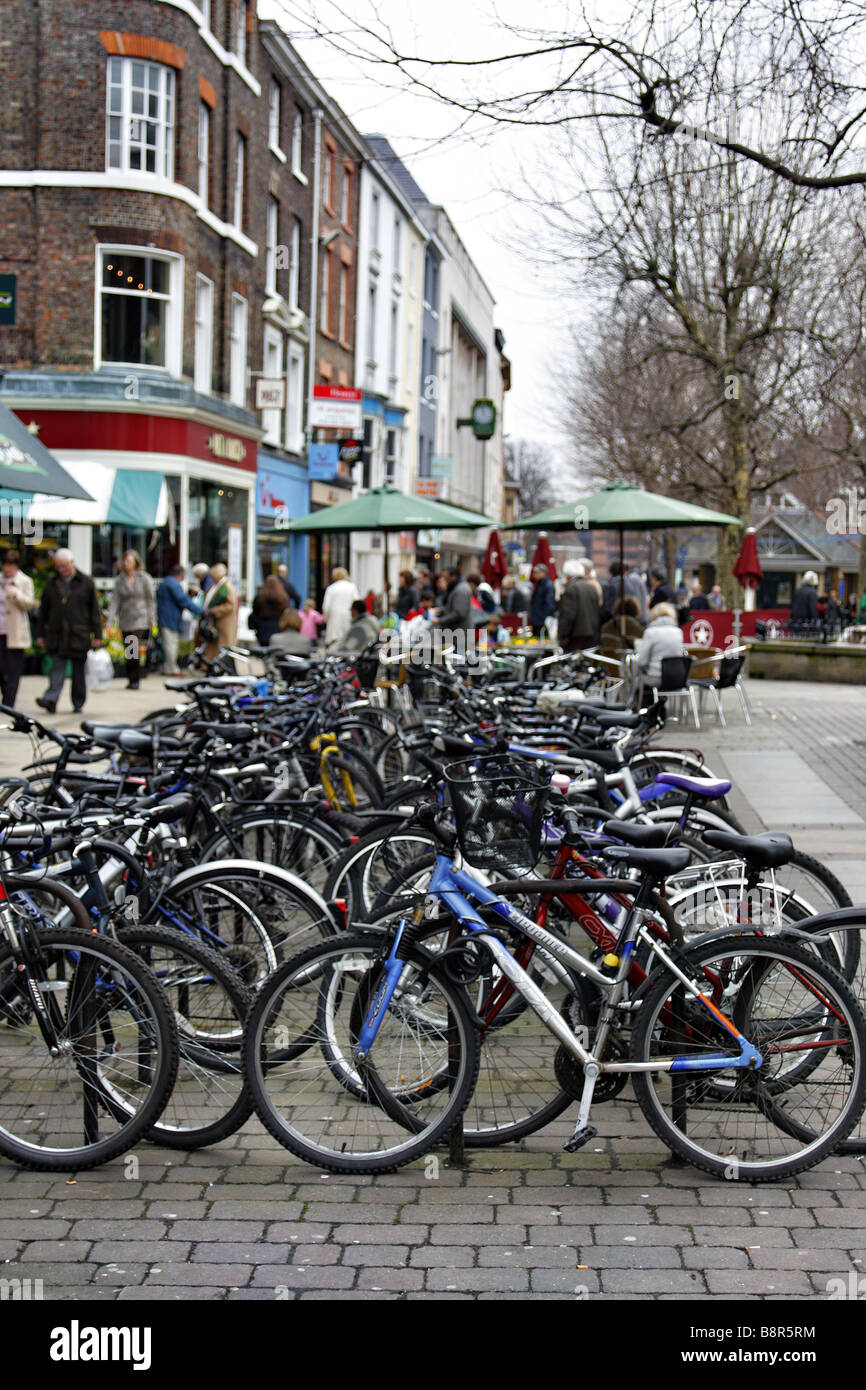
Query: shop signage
point(270, 490)
point(235, 556)
point(323, 496)
point(336, 408)
point(271, 393)
point(8, 298)
point(351, 450)
point(441, 466)
point(225, 446)
point(324, 461)
point(427, 487)
point(427, 539)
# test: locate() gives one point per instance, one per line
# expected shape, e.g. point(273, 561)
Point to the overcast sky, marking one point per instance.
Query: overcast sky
point(471, 173)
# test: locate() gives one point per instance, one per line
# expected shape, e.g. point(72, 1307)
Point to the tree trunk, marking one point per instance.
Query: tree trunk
point(731, 538)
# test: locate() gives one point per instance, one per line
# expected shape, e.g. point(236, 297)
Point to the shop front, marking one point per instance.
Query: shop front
point(176, 490)
point(327, 549)
point(282, 493)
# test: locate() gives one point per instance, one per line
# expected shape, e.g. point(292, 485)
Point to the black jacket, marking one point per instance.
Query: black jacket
point(804, 609)
point(68, 621)
point(578, 615)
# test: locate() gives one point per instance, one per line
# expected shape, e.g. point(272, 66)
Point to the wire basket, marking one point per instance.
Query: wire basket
point(499, 812)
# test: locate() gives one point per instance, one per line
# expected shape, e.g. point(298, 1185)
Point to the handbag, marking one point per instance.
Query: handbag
point(207, 630)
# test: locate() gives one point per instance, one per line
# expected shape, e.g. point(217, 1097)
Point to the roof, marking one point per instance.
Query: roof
point(391, 161)
point(810, 532)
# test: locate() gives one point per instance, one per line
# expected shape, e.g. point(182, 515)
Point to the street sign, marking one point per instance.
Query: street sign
point(271, 393)
point(336, 408)
point(441, 466)
point(427, 539)
point(324, 462)
point(427, 487)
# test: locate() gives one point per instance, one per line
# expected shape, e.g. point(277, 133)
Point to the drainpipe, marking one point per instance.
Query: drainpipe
point(314, 275)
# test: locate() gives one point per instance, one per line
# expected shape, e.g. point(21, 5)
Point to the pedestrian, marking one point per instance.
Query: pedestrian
point(514, 597)
point(716, 598)
point(16, 601)
point(337, 606)
point(219, 614)
point(543, 602)
point(68, 626)
point(172, 602)
point(804, 609)
point(618, 585)
point(698, 602)
point(291, 592)
point(832, 615)
point(407, 594)
point(133, 609)
point(483, 593)
point(579, 610)
point(201, 575)
point(268, 605)
point(457, 615)
point(662, 590)
point(311, 621)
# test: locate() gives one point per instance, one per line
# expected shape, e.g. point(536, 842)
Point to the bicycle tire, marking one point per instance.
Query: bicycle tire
point(210, 1099)
point(375, 1133)
point(138, 1059)
point(780, 966)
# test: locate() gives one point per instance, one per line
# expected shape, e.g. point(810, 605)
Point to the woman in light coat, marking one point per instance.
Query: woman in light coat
point(133, 610)
point(663, 637)
point(220, 609)
point(16, 601)
point(337, 606)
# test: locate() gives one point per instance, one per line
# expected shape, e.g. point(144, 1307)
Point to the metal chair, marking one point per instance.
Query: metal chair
point(674, 682)
point(729, 678)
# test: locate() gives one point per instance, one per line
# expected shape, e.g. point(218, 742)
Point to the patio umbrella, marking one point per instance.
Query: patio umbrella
point(748, 568)
point(543, 556)
point(493, 566)
point(26, 466)
point(623, 507)
point(387, 509)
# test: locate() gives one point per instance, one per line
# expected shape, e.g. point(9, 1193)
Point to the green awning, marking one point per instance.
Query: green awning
point(135, 497)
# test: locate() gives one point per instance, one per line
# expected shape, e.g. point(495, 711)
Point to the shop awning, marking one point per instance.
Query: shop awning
point(128, 497)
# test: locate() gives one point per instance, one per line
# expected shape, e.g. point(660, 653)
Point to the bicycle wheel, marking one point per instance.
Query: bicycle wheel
point(771, 1122)
point(362, 872)
point(117, 1058)
point(210, 1099)
point(281, 837)
point(426, 1030)
point(220, 918)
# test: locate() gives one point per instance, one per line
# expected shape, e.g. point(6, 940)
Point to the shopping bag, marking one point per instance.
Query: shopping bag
point(98, 670)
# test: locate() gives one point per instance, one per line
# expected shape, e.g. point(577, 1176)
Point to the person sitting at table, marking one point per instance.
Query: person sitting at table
point(663, 637)
point(613, 638)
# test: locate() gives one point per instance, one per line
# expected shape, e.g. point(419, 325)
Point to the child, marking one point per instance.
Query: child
point(311, 621)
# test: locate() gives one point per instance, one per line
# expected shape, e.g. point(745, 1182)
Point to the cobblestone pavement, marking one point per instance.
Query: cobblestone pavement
point(243, 1220)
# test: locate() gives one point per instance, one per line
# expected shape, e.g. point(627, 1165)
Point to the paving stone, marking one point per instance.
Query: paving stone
point(497, 1280)
point(236, 1252)
point(785, 1281)
point(642, 1282)
point(298, 1277)
point(446, 1257)
point(380, 1280)
point(393, 1255)
point(210, 1276)
point(383, 1235)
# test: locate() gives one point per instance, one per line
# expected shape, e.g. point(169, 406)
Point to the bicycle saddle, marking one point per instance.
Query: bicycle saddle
point(644, 836)
point(711, 787)
point(657, 863)
point(766, 851)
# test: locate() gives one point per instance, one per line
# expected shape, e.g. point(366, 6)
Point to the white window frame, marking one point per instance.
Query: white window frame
point(393, 344)
point(174, 311)
point(275, 113)
point(343, 334)
point(372, 306)
point(272, 367)
point(295, 399)
point(205, 14)
point(238, 351)
point(203, 361)
point(374, 220)
point(204, 119)
point(130, 122)
point(241, 30)
point(325, 298)
point(271, 242)
point(240, 179)
point(398, 240)
point(345, 201)
point(295, 265)
point(298, 144)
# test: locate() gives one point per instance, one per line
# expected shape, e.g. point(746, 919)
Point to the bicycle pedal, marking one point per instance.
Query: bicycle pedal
point(579, 1138)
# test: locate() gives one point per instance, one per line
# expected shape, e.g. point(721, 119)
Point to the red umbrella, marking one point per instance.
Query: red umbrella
point(748, 567)
point(493, 566)
point(543, 556)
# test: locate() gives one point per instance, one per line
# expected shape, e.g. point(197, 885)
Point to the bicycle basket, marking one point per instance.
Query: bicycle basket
point(366, 668)
point(498, 812)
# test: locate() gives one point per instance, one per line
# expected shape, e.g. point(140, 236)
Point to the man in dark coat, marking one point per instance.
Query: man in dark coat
point(542, 605)
point(804, 609)
point(69, 624)
point(283, 576)
point(579, 610)
point(663, 592)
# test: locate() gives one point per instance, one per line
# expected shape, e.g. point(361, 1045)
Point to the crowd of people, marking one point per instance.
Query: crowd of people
point(623, 612)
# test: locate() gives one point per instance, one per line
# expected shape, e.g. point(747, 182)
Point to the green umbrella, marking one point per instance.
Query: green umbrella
point(622, 506)
point(26, 466)
point(388, 509)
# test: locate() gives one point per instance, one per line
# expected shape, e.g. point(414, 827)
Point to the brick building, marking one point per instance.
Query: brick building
point(158, 204)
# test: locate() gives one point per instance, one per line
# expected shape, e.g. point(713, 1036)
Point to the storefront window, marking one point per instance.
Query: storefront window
point(213, 507)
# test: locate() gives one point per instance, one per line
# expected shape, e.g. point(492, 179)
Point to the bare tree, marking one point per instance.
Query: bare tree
point(721, 69)
point(531, 465)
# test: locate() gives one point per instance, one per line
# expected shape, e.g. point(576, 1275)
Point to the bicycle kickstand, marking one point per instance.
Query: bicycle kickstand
point(583, 1130)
